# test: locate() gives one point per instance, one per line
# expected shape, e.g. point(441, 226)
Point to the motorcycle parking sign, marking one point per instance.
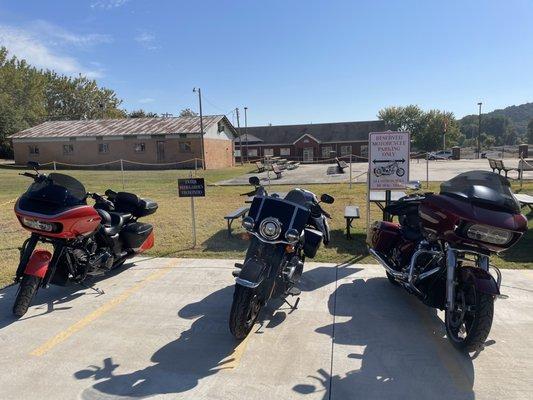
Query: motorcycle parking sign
point(388, 162)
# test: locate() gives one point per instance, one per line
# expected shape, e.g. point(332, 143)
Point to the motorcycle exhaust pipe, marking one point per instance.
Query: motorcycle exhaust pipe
point(385, 264)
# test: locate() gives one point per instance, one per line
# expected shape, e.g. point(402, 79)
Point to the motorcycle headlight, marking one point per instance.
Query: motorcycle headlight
point(41, 225)
point(270, 228)
point(488, 234)
point(292, 236)
point(248, 223)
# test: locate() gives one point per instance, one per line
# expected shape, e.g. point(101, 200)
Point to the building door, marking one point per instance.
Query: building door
point(160, 145)
point(308, 154)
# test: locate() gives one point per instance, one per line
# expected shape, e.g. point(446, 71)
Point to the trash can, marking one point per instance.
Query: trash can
point(523, 151)
point(456, 152)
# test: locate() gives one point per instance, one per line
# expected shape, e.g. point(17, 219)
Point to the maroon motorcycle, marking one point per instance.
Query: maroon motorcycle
point(440, 249)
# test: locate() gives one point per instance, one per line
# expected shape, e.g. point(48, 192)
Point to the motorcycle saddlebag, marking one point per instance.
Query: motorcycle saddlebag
point(135, 234)
point(312, 240)
point(384, 236)
point(131, 203)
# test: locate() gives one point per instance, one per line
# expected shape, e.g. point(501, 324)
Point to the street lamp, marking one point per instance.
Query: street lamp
point(199, 91)
point(479, 132)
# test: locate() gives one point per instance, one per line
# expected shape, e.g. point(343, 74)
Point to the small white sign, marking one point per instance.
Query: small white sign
point(388, 160)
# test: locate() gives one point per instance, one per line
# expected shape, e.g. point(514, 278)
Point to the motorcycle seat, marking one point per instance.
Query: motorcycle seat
point(117, 221)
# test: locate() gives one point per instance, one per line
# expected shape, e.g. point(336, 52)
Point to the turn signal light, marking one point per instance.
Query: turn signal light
point(289, 248)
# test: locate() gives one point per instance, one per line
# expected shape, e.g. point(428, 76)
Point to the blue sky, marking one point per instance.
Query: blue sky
point(287, 61)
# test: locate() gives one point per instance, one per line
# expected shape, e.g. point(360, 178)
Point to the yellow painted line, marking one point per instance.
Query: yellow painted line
point(104, 308)
point(233, 360)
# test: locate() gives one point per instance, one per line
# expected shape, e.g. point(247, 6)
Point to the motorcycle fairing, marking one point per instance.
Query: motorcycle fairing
point(483, 281)
point(38, 263)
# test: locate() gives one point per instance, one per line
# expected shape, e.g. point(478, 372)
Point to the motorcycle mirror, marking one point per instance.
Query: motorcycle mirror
point(326, 198)
point(254, 180)
point(33, 165)
point(110, 193)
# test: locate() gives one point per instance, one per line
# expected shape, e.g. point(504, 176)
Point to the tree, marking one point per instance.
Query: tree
point(427, 128)
point(142, 114)
point(530, 132)
point(187, 112)
point(30, 96)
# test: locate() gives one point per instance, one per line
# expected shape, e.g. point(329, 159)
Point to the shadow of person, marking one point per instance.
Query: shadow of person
point(392, 347)
point(202, 350)
point(52, 299)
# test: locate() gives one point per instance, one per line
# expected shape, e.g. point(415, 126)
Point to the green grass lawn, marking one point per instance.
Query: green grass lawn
point(172, 221)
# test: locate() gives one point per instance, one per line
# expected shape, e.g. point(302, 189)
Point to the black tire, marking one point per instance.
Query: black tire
point(476, 324)
point(400, 172)
point(244, 311)
point(27, 289)
point(377, 171)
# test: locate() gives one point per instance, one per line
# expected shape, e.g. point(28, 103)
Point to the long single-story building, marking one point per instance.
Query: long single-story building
point(141, 140)
point(309, 142)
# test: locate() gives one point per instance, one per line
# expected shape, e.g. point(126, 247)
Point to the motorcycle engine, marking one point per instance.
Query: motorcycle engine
point(90, 260)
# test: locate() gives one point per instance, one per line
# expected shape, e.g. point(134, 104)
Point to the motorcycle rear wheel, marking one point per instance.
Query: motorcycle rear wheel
point(27, 289)
point(244, 311)
point(469, 325)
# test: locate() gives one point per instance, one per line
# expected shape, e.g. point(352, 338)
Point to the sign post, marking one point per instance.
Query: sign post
point(192, 187)
point(388, 164)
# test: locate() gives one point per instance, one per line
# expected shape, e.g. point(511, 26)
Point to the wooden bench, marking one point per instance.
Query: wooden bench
point(260, 166)
point(500, 166)
point(341, 165)
point(276, 170)
point(350, 213)
point(492, 164)
point(524, 200)
point(232, 216)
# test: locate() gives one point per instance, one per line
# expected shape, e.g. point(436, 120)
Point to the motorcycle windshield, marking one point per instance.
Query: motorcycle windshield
point(289, 214)
point(484, 189)
point(58, 189)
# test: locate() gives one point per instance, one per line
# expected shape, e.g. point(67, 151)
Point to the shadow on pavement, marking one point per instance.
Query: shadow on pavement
point(52, 299)
point(392, 347)
point(198, 352)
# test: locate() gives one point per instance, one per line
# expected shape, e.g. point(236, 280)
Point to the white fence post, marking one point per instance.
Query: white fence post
point(55, 169)
point(427, 170)
point(521, 171)
point(122, 170)
point(350, 170)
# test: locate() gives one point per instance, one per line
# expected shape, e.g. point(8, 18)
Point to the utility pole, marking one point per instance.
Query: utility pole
point(199, 91)
point(240, 136)
point(479, 132)
point(444, 134)
point(246, 131)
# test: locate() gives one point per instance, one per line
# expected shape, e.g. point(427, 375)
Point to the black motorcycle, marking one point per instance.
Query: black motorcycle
point(283, 233)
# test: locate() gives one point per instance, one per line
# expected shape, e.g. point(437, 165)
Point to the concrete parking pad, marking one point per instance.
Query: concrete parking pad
point(160, 331)
point(440, 170)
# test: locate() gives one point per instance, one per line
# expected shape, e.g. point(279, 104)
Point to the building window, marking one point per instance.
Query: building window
point(285, 151)
point(345, 150)
point(221, 128)
point(103, 148)
point(34, 150)
point(139, 147)
point(364, 150)
point(185, 147)
point(237, 153)
point(326, 151)
point(268, 152)
point(68, 149)
point(252, 152)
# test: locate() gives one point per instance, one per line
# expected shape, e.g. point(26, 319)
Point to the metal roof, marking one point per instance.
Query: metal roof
point(120, 127)
point(326, 132)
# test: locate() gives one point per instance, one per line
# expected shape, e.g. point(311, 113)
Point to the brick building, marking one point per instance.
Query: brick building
point(142, 140)
point(309, 142)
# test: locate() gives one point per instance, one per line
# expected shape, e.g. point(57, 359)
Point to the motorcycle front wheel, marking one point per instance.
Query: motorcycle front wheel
point(244, 311)
point(27, 289)
point(468, 325)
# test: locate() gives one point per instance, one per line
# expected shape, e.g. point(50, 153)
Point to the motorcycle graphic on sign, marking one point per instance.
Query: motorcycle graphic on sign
point(390, 169)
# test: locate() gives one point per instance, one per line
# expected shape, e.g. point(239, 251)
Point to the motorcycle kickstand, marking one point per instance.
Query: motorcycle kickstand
point(293, 307)
point(293, 291)
point(97, 290)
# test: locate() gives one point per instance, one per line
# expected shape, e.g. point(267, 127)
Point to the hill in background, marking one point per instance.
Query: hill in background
point(518, 116)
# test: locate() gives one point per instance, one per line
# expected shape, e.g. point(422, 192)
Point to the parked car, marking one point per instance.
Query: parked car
point(440, 155)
